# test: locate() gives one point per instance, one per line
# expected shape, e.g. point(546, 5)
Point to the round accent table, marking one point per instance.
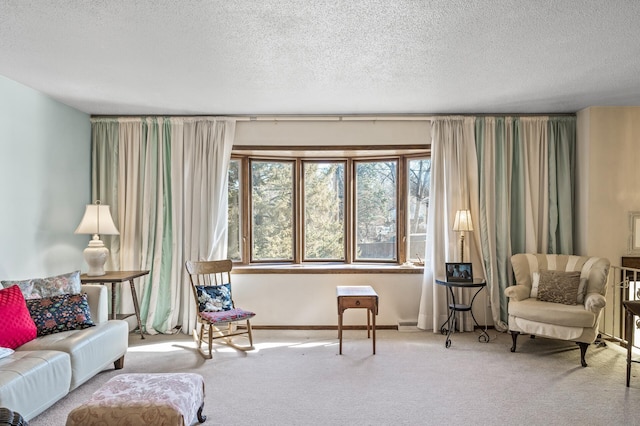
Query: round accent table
point(449, 326)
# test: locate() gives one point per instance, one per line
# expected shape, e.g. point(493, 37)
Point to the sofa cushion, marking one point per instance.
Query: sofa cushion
point(16, 325)
point(31, 382)
point(91, 349)
point(60, 313)
point(559, 287)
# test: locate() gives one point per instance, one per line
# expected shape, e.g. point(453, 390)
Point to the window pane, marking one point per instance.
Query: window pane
point(376, 210)
point(234, 247)
point(419, 180)
point(272, 210)
point(324, 211)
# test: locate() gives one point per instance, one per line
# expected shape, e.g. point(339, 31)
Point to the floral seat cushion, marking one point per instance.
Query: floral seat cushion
point(235, 314)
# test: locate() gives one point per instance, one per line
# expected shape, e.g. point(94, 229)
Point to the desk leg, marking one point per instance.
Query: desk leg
point(373, 315)
point(340, 330)
point(113, 300)
point(368, 323)
point(134, 296)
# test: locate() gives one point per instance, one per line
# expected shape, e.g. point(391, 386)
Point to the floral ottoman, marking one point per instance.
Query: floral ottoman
point(144, 399)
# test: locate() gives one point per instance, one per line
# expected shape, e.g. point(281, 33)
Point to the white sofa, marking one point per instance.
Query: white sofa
point(529, 313)
point(45, 369)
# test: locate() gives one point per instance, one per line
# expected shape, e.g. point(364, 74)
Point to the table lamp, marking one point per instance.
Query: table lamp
point(97, 220)
point(461, 224)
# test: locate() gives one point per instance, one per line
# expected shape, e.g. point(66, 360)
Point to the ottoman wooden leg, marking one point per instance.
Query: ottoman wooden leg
point(201, 417)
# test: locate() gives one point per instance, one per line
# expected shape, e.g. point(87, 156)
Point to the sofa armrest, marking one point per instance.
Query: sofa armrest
point(594, 302)
point(517, 292)
point(98, 298)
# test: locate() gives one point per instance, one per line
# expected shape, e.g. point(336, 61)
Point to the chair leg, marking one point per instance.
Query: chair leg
point(210, 341)
point(249, 333)
point(583, 352)
point(514, 339)
point(201, 336)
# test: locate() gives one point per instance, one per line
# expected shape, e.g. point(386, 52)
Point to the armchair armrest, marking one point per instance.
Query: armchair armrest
point(98, 298)
point(594, 302)
point(517, 292)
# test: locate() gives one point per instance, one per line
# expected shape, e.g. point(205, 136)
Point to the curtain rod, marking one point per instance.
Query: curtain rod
point(344, 117)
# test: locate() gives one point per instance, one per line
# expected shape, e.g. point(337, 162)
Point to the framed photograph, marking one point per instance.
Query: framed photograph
point(459, 272)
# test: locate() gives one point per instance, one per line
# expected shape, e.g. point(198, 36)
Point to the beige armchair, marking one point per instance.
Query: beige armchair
point(557, 296)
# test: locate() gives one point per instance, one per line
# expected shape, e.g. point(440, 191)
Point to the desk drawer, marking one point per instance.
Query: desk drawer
point(357, 302)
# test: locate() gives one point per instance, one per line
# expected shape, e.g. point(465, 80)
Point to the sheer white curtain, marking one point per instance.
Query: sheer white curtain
point(169, 192)
point(454, 186)
point(202, 171)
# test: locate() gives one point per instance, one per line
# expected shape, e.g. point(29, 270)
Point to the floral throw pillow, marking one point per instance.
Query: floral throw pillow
point(60, 284)
point(60, 313)
point(25, 286)
point(214, 298)
point(36, 288)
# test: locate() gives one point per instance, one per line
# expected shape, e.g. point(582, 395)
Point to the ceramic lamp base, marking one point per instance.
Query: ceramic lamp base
point(96, 256)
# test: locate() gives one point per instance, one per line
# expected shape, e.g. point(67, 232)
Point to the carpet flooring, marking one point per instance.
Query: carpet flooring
point(296, 377)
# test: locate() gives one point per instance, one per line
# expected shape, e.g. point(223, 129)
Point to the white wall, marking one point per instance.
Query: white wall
point(310, 299)
point(608, 179)
point(44, 183)
point(325, 132)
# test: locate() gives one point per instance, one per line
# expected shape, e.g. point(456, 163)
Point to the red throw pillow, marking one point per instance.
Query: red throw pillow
point(16, 325)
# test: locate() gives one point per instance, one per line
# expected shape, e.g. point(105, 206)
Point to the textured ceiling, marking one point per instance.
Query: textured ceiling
point(324, 57)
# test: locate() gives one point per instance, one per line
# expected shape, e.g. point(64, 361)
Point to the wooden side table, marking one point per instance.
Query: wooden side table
point(115, 277)
point(358, 297)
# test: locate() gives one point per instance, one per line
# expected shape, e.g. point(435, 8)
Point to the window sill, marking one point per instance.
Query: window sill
point(326, 269)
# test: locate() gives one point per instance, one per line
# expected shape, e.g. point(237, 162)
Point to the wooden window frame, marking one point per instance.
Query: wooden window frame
point(404, 154)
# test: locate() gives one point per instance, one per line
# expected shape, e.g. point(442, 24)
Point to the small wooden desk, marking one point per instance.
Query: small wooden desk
point(358, 297)
point(115, 277)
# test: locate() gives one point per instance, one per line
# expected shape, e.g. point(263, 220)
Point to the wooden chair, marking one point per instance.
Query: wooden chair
point(218, 317)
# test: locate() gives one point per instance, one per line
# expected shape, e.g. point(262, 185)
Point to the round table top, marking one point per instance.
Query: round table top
point(477, 282)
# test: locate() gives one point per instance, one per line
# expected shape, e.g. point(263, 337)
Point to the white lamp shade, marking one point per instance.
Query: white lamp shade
point(463, 221)
point(97, 220)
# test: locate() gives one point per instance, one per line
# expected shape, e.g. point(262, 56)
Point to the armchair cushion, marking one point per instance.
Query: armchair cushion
point(553, 313)
point(559, 287)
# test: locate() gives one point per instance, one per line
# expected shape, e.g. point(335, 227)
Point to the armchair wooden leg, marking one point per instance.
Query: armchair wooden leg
point(201, 417)
point(514, 338)
point(583, 352)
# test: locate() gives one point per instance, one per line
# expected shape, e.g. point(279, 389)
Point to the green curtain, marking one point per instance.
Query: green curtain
point(526, 168)
point(146, 169)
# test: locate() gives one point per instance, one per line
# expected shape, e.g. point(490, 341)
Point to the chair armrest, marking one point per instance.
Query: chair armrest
point(98, 298)
point(594, 302)
point(517, 292)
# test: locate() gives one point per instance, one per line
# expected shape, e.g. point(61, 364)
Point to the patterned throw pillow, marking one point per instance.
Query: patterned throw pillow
point(36, 288)
point(26, 287)
point(214, 298)
point(60, 313)
point(559, 287)
point(16, 325)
